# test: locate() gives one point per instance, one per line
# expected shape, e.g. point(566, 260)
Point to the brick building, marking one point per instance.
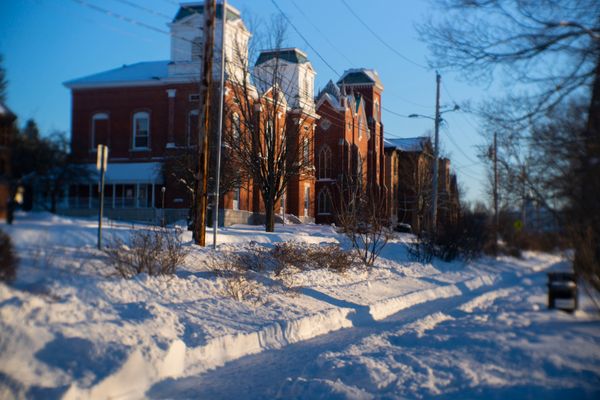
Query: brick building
point(348, 138)
point(148, 112)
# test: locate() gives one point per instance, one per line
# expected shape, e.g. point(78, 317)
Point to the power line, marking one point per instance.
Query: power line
point(146, 9)
point(386, 44)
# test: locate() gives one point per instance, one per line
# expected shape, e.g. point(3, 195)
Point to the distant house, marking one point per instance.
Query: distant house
point(409, 162)
point(7, 120)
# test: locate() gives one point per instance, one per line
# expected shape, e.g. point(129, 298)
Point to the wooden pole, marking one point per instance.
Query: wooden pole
point(201, 184)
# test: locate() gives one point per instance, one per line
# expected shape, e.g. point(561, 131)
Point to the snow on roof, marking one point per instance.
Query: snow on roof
point(413, 144)
point(360, 76)
point(146, 71)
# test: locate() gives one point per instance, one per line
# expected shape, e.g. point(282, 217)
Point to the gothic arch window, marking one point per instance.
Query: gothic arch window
point(141, 130)
point(324, 202)
point(196, 48)
point(325, 167)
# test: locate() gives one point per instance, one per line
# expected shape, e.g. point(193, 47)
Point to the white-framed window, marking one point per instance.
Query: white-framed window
point(197, 48)
point(324, 202)
point(141, 130)
point(306, 199)
point(99, 130)
point(192, 136)
point(236, 198)
point(235, 126)
point(325, 165)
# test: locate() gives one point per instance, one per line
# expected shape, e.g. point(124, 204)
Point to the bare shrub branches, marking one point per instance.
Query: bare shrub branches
point(154, 251)
point(8, 259)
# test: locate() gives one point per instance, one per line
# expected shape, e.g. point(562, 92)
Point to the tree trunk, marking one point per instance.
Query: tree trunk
point(269, 215)
point(587, 231)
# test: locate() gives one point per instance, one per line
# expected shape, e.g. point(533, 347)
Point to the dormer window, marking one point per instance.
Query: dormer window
point(197, 48)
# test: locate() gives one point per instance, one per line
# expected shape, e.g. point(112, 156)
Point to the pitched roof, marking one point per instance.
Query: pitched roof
point(360, 76)
point(411, 145)
point(292, 55)
point(187, 9)
point(135, 73)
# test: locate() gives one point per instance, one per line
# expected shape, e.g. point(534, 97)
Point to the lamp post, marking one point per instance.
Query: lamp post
point(163, 190)
point(437, 120)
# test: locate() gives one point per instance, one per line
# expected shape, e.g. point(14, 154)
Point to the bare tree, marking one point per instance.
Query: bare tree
point(266, 136)
point(549, 54)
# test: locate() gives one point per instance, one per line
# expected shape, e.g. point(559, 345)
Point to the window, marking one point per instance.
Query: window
point(325, 167)
point(324, 202)
point(325, 124)
point(236, 198)
point(360, 127)
point(192, 138)
point(197, 48)
point(306, 200)
point(99, 130)
point(235, 127)
point(141, 130)
point(376, 111)
point(306, 151)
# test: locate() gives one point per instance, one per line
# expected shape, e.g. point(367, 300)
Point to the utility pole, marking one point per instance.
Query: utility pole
point(496, 221)
point(436, 150)
point(220, 134)
point(101, 164)
point(201, 184)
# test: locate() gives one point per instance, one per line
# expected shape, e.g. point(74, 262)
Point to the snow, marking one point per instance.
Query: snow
point(72, 329)
point(413, 144)
point(140, 72)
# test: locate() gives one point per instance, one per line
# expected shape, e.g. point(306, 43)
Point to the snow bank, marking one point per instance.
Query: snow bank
point(71, 330)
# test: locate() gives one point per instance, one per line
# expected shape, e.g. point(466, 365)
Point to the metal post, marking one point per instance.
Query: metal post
point(436, 154)
point(163, 190)
point(496, 221)
point(101, 189)
point(220, 134)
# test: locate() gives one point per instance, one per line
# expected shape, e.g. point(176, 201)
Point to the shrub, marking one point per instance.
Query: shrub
point(236, 270)
point(306, 257)
point(155, 251)
point(466, 237)
point(8, 259)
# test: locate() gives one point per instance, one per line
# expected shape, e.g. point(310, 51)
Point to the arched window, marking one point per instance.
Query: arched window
point(325, 167)
point(324, 202)
point(99, 130)
point(360, 127)
point(235, 127)
point(197, 48)
point(141, 130)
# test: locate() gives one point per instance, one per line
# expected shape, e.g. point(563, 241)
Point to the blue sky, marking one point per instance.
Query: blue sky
point(47, 42)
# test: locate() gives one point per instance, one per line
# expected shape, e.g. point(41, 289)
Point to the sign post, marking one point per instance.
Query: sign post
point(101, 163)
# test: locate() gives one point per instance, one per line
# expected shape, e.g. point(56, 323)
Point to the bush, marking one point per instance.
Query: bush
point(8, 259)
point(155, 251)
point(466, 237)
point(309, 257)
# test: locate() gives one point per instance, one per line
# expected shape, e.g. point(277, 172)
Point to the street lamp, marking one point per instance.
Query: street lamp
point(437, 120)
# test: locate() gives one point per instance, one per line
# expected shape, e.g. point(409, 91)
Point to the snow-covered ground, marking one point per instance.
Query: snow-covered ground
point(70, 328)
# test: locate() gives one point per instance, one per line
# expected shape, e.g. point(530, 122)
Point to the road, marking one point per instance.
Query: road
point(495, 342)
